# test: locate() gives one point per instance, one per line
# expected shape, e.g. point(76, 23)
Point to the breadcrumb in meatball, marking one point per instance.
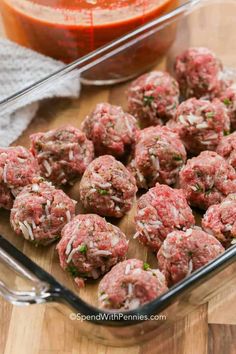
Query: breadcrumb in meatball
point(159, 155)
point(107, 187)
point(40, 211)
point(200, 73)
point(184, 252)
point(90, 246)
point(130, 284)
point(201, 124)
point(160, 211)
point(153, 98)
point(111, 130)
point(207, 179)
point(227, 149)
point(18, 167)
point(63, 154)
point(228, 97)
point(220, 220)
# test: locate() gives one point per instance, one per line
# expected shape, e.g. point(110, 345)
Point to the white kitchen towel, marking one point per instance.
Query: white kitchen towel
point(19, 68)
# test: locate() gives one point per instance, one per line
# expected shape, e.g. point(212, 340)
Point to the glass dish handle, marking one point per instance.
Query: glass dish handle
point(18, 285)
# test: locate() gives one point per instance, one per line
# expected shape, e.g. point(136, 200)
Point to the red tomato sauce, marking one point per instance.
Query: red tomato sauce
point(69, 29)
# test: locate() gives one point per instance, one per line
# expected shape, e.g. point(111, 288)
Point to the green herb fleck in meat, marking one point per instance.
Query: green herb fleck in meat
point(199, 174)
point(226, 132)
point(177, 158)
point(148, 100)
point(210, 114)
point(208, 191)
point(190, 253)
point(146, 266)
point(83, 249)
point(227, 102)
point(73, 271)
point(102, 191)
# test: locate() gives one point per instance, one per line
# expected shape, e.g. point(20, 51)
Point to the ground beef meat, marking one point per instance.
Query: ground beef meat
point(111, 130)
point(107, 187)
point(6, 197)
point(153, 98)
point(160, 211)
point(184, 252)
point(129, 285)
point(228, 97)
point(207, 179)
point(227, 149)
point(63, 154)
point(199, 73)
point(40, 211)
point(158, 157)
point(220, 220)
point(201, 124)
point(18, 167)
point(90, 246)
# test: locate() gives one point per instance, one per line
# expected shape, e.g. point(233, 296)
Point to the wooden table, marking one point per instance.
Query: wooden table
point(42, 330)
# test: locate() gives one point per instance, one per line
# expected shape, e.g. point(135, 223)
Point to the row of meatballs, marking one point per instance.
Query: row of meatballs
point(109, 189)
point(89, 245)
point(64, 154)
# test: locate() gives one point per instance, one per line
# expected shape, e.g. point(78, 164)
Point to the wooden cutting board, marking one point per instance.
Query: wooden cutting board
point(42, 330)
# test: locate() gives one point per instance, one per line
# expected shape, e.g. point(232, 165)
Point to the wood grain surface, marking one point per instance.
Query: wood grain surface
point(41, 329)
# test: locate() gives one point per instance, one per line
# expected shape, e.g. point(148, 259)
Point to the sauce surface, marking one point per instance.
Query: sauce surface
point(96, 4)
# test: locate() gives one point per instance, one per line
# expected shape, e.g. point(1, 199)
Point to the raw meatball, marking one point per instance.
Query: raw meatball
point(90, 246)
point(111, 130)
point(40, 212)
point(227, 149)
point(228, 97)
point(158, 157)
point(107, 187)
point(129, 285)
point(199, 73)
point(160, 211)
point(153, 98)
point(63, 154)
point(207, 179)
point(18, 167)
point(201, 124)
point(220, 220)
point(184, 252)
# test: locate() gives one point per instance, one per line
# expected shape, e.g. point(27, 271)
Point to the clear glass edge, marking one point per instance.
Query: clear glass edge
point(48, 289)
point(39, 291)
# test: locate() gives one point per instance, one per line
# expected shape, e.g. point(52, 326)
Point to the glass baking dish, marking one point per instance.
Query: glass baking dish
point(24, 282)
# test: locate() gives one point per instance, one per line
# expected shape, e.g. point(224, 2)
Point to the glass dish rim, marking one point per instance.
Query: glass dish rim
point(61, 294)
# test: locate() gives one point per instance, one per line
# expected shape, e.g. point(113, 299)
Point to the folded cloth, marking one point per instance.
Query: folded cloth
point(19, 68)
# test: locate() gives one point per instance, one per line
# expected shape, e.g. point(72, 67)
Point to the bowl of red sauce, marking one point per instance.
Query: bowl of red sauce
point(67, 30)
